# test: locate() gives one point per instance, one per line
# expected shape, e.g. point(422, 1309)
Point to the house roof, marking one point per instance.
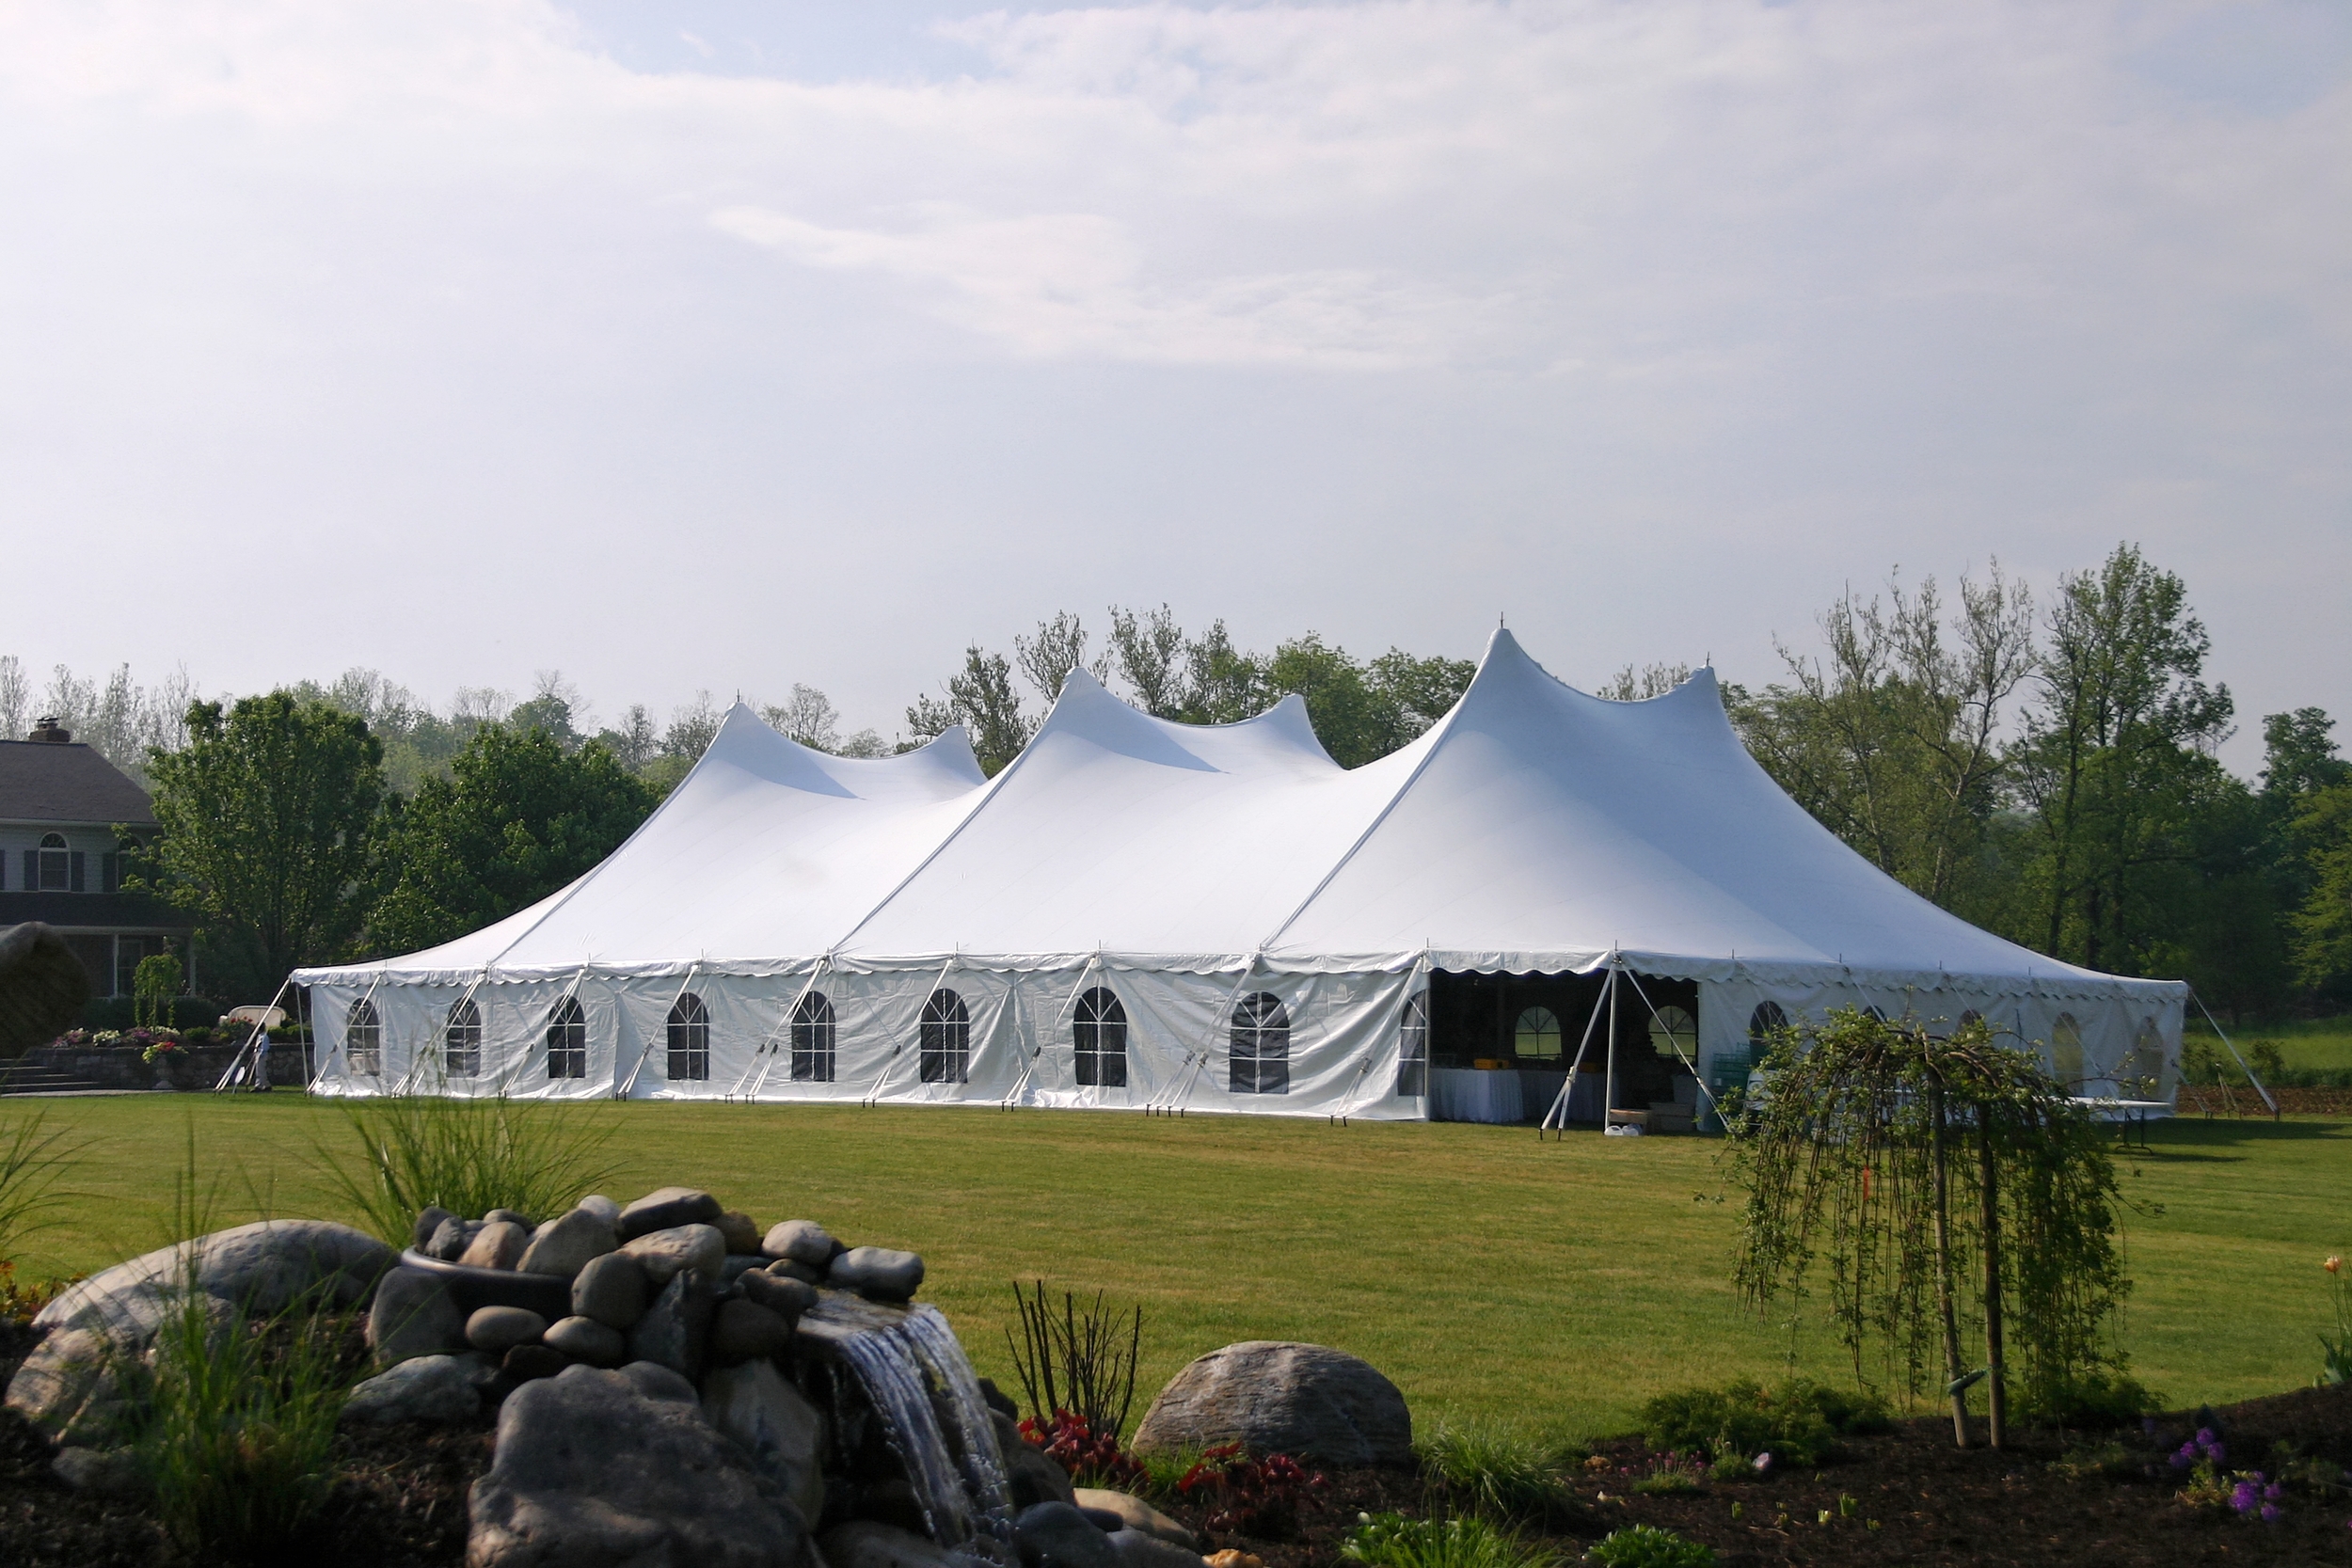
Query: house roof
point(43, 782)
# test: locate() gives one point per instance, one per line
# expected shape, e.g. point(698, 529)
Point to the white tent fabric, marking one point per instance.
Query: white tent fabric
point(1259, 923)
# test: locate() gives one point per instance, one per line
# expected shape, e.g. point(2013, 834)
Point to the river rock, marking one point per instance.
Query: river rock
point(1305, 1401)
point(507, 1216)
point(588, 1471)
point(499, 1329)
point(102, 1472)
point(1137, 1549)
point(583, 1339)
point(265, 1268)
point(675, 1329)
point(449, 1244)
point(435, 1388)
point(567, 1244)
point(805, 1274)
point(786, 1298)
point(1030, 1477)
point(746, 1331)
point(799, 1242)
point(499, 1244)
point(1057, 1535)
point(863, 1544)
point(782, 1432)
point(657, 1382)
point(413, 1315)
point(429, 1221)
point(666, 1210)
point(1135, 1514)
point(878, 1274)
point(741, 1233)
point(664, 1253)
point(603, 1207)
point(523, 1363)
point(997, 1400)
point(612, 1290)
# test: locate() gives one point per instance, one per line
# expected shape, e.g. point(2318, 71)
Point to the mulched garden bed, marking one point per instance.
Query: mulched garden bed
point(400, 1503)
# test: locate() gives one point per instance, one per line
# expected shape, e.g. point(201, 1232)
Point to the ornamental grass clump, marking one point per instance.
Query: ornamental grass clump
point(466, 1156)
point(1494, 1468)
point(33, 1160)
point(1648, 1547)
point(1464, 1541)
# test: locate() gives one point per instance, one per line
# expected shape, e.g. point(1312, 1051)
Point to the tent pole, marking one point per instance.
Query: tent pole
point(260, 1028)
point(1608, 1095)
point(2267, 1101)
point(1711, 1104)
point(647, 1050)
point(767, 1046)
point(882, 1080)
point(1560, 1104)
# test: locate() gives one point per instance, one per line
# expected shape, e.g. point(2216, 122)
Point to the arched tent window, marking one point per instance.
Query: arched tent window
point(1100, 1036)
point(945, 1042)
point(2066, 1053)
point(567, 1040)
point(1674, 1033)
point(813, 1039)
point(690, 1039)
point(461, 1041)
point(363, 1039)
point(2142, 1077)
point(1412, 1050)
point(1537, 1036)
point(1767, 1020)
point(53, 871)
point(1261, 1040)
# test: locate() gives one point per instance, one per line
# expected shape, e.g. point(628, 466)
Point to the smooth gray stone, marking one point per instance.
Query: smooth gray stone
point(589, 1473)
point(798, 1241)
point(878, 1274)
point(428, 1222)
point(596, 1203)
point(499, 1244)
point(788, 1298)
point(265, 1267)
point(102, 1472)
point(435, 1388)
point(508, 1216)
point(782, 1432)
point(450, 1243)
point(1140, 1549)
point(523, 1363)
point(664, 1253)
point(746, 1331)
point(1133, 1513)
point(567, 1244)
point(805, 1274)
point(499, 1329)
point(613, 1289)
point(1030, 1478)
point(737, 1264)
point(413, 1315)
point(657, 1382)
point(586, 1339)
point(741, 1233)
point(675, 1329)
point(865, 1544)
point(1309, 1402)
point(666, 1209)
point(67, 1388)
point(1057, 1535)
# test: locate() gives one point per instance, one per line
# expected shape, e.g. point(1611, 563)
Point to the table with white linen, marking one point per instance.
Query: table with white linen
point(1471, 1094)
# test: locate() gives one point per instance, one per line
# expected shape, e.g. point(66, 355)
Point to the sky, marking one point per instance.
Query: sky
point(732, 343)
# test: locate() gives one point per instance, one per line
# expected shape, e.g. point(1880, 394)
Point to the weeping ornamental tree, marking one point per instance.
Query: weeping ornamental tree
point(1951, 1200)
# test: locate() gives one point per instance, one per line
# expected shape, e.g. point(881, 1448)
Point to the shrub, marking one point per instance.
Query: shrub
point(1798, 1423)
point(1647, 1546)
point(1074, 1363)
point(466, 1156)
point(1248, 1497)
point(2093, 1398)
point(1392, 1541)
point(1092, 1457)
point(1496, 1468)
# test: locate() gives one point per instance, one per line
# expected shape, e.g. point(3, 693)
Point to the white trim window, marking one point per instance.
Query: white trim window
point(943, 1042)
point(689, 1039)
point(815, 1033)
point(363, 1039)
point(1260, 1045)
point(567, 1040)
point(1098, 1039)
point(461, 1040)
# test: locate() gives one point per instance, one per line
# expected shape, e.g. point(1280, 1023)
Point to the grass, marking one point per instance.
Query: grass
point(1550, 1286)
point(2314, 1044)
point(1464, 1540)
point(1497, 1468)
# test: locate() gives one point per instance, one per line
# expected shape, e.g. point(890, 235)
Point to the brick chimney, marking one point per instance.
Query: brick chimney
point(51, 733)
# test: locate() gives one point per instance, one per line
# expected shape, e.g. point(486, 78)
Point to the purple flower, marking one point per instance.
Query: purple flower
point(2270, 1514)
point(2184, 1458)
point(2243, 1497)
point(2274, 1490)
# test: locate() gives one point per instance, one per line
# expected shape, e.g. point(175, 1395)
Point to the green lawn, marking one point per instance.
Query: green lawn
point(2303, 1043)
point(1552, 1284)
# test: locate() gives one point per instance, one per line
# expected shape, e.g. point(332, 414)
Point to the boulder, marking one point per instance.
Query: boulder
point(746, 1331)
point(878, 1274)
point(768, 1420)
point(612, 1290)
point(588, 1471)
point(786, 1298)
point(1133, 1513)
point(429, 1222)
point(102, 1472)
point(568, 1243)
point(413, 1315)
point(863, 1543)
point(741, 1233)
point(1030, 1477)
point(1272, 1397)
point(1057, 1535)
point(675, 1329)
point(499, 1329)
point(67, 1388)
point(666, 1210)
point(586, 1339)
point(265, 1267)
point(1140, 1549)
point(499, 1244)
point(602, 1207)
point(435, 1388)
point(997, 1400)
point(664, 1253)
point(657, 1382)
point(799, 1242)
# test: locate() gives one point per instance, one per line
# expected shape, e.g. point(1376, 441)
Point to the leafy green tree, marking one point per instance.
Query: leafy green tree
point(267, 820)
point(516, 818)
point(2323, 926)
point(981, 698)
point(1148, 650)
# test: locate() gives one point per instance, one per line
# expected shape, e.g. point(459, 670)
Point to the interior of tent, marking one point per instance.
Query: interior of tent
point(1549, 907)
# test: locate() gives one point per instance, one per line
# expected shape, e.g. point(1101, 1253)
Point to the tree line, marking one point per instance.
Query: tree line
point(2046, 768)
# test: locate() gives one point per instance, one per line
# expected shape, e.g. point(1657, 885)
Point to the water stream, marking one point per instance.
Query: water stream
point(916, 1375)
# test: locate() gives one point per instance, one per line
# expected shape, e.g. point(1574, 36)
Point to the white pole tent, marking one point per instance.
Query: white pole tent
point(1146, 915)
